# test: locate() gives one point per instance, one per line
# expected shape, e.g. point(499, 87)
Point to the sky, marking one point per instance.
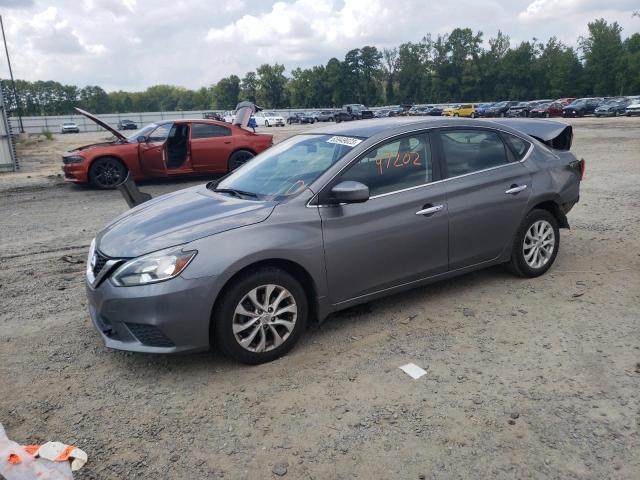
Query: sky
point(133, 44)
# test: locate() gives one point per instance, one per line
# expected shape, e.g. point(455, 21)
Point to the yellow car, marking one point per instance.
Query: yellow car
point(462, 110)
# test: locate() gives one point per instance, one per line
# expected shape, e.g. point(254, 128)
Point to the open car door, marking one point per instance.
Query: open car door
point(153, 151)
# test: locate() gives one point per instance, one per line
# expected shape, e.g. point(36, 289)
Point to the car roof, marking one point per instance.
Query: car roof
point(396, 125)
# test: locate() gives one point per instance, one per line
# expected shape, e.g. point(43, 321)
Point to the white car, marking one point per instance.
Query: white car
point(69, 127)
point(228, 116)
point(269, 119)
point(633, 108)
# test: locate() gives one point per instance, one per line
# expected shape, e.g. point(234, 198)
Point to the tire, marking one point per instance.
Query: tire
point(473, 115)
point(456, 115)
point(524, 257)
point(106, 173)
point(266, 123)
point(546, 115)
point(239, 158)
point(502, 114)
point(236, 297)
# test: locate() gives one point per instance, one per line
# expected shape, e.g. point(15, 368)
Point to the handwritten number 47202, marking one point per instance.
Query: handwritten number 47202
point(394, 161)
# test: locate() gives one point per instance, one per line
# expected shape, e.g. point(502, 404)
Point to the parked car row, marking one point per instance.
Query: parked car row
point(546, 108)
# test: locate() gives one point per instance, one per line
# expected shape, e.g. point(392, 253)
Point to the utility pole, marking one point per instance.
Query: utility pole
point(13, 83)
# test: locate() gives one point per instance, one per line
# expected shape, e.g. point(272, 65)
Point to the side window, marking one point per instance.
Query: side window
point(467, 151)
point(394, 166)
point(518, 147)
point(205, 130)
point(161, 133)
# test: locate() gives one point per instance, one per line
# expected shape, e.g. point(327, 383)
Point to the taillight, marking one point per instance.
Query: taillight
point(583, 168)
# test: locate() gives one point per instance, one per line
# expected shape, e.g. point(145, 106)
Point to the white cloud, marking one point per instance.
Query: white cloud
point(131, 44)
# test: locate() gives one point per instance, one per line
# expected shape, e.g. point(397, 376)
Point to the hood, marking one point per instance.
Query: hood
point(554, 134)
point(177, 218)
point(95, 145)
point(104, 125)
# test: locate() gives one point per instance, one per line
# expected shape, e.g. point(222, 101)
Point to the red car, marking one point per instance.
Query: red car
point(551, 109)
point(169, 148)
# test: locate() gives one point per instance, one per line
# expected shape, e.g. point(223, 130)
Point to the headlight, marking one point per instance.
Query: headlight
point(73, 159)
point(152, 268)
point(91, 261)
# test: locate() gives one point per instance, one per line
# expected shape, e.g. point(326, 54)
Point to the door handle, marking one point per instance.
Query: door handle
point(515, 189)
point(227, 141)
point(430, 210)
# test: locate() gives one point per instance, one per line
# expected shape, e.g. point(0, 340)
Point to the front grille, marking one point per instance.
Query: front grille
point(149, 335)
point(99, 263)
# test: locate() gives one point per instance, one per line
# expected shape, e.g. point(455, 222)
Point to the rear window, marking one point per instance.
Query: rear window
point(204, 130)
point(518, 146)
point(468, 151)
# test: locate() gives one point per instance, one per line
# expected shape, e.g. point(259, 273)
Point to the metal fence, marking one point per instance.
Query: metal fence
point(8, 159)
point(52, 123)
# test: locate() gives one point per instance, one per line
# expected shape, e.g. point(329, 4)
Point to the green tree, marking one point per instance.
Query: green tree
point(370, 73)
point(271, 85)
point(249, 87)
point(603, 51)
point(226, 93)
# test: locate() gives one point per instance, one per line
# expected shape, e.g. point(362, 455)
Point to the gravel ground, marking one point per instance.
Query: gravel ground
point(526, 378)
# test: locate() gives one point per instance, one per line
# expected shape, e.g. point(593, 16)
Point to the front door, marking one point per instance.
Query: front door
point(211, 147)
point(153, 152)
point(487, 192)
point(396, 237)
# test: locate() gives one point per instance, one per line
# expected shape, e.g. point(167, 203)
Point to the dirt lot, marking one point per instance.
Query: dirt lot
point(534, 378)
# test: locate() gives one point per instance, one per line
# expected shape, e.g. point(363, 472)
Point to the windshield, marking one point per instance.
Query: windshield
point(269, 114)
point(142, 132)
point(288, 168)
point(577, 103)
point(500, 104)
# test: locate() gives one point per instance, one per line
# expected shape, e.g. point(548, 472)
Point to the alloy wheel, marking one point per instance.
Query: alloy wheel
point(265, 318)
point(539, 244)
point(108, 173)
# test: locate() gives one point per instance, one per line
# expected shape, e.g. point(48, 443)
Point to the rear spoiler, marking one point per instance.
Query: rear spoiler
point(556, 135)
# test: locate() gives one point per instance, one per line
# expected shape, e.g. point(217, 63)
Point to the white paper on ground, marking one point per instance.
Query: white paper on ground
point(413, 370)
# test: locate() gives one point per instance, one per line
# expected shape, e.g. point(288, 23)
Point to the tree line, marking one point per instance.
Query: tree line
point(454, 67)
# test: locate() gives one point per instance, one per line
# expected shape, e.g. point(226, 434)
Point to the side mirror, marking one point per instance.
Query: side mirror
point(141, 139)
point(349, 192)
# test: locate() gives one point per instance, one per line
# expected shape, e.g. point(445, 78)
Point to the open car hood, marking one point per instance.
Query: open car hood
point(554, 134)
point(104, 125)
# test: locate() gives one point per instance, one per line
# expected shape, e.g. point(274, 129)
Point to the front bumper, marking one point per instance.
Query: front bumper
point(166, 317)
point(75, 172)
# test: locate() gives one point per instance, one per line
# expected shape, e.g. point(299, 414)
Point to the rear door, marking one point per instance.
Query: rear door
point(487, 189)
point(211, 146)
point(153, 152)
point(396, 237)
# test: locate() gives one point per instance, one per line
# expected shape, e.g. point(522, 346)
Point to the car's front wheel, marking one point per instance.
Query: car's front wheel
point(536, 244)
point(260, 316)
point(107, 172)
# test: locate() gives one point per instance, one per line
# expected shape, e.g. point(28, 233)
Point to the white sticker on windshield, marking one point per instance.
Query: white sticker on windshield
point(348, 141)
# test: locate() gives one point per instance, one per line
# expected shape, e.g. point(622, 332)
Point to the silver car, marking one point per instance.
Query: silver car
point(325, 220)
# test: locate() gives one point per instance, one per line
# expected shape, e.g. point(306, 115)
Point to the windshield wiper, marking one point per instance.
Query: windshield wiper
point(237, 193)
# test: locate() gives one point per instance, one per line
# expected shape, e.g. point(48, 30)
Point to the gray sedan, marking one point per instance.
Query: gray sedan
point(338, 216)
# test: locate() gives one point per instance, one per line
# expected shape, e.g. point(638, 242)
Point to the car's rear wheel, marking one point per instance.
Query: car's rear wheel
point(536, 244)
point(107, 173)
point(239, 158)
point(260, 316)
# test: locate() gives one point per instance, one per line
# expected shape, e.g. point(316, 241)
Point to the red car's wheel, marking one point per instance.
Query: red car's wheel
point(239, 158)
point(107, 173)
